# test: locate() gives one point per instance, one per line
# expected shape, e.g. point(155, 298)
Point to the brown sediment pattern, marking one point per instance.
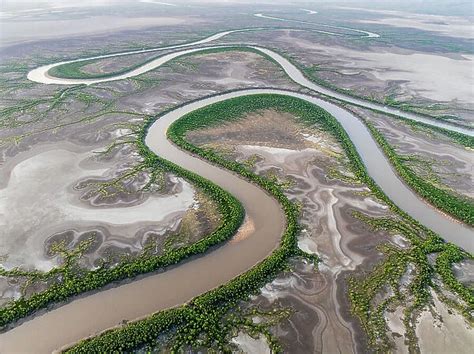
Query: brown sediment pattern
point(246, 230)
point(41, 206)
point(38, 143)
point(178, 284)
point(441, 330)
point(345, 259)
point(303, 156)
point(331, 232)
point(87, 170)
point(74, 211)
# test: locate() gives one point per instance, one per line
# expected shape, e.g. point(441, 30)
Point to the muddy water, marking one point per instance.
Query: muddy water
point(94, 313)
point(373, 158)
point(377, 165)
point(41, 75)
point(88, 315)
point(297, 76)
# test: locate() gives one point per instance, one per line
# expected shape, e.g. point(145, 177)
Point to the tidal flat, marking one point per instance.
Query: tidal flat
point(302, 158)
point(432, 83)
point(74, 185)
point(89, 147)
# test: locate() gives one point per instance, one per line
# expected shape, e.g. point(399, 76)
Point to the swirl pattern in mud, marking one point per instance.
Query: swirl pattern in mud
point(342, 243)
point(342, 253)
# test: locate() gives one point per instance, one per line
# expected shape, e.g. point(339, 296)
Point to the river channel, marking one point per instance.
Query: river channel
point(91, 314)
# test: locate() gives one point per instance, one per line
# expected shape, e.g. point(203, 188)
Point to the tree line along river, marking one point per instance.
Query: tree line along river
point(72, 322)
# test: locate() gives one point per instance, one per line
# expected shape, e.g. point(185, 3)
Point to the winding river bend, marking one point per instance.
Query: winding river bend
point(41, 75)
point(365, 33)
point(96, 312)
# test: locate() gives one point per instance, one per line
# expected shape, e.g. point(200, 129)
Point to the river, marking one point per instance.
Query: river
point(90, 314)
point(41, 75)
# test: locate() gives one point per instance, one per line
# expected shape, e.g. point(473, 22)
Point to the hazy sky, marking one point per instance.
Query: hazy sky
point(446, 7)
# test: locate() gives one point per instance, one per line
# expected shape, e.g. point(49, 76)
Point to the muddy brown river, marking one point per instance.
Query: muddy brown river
point(91, 314)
